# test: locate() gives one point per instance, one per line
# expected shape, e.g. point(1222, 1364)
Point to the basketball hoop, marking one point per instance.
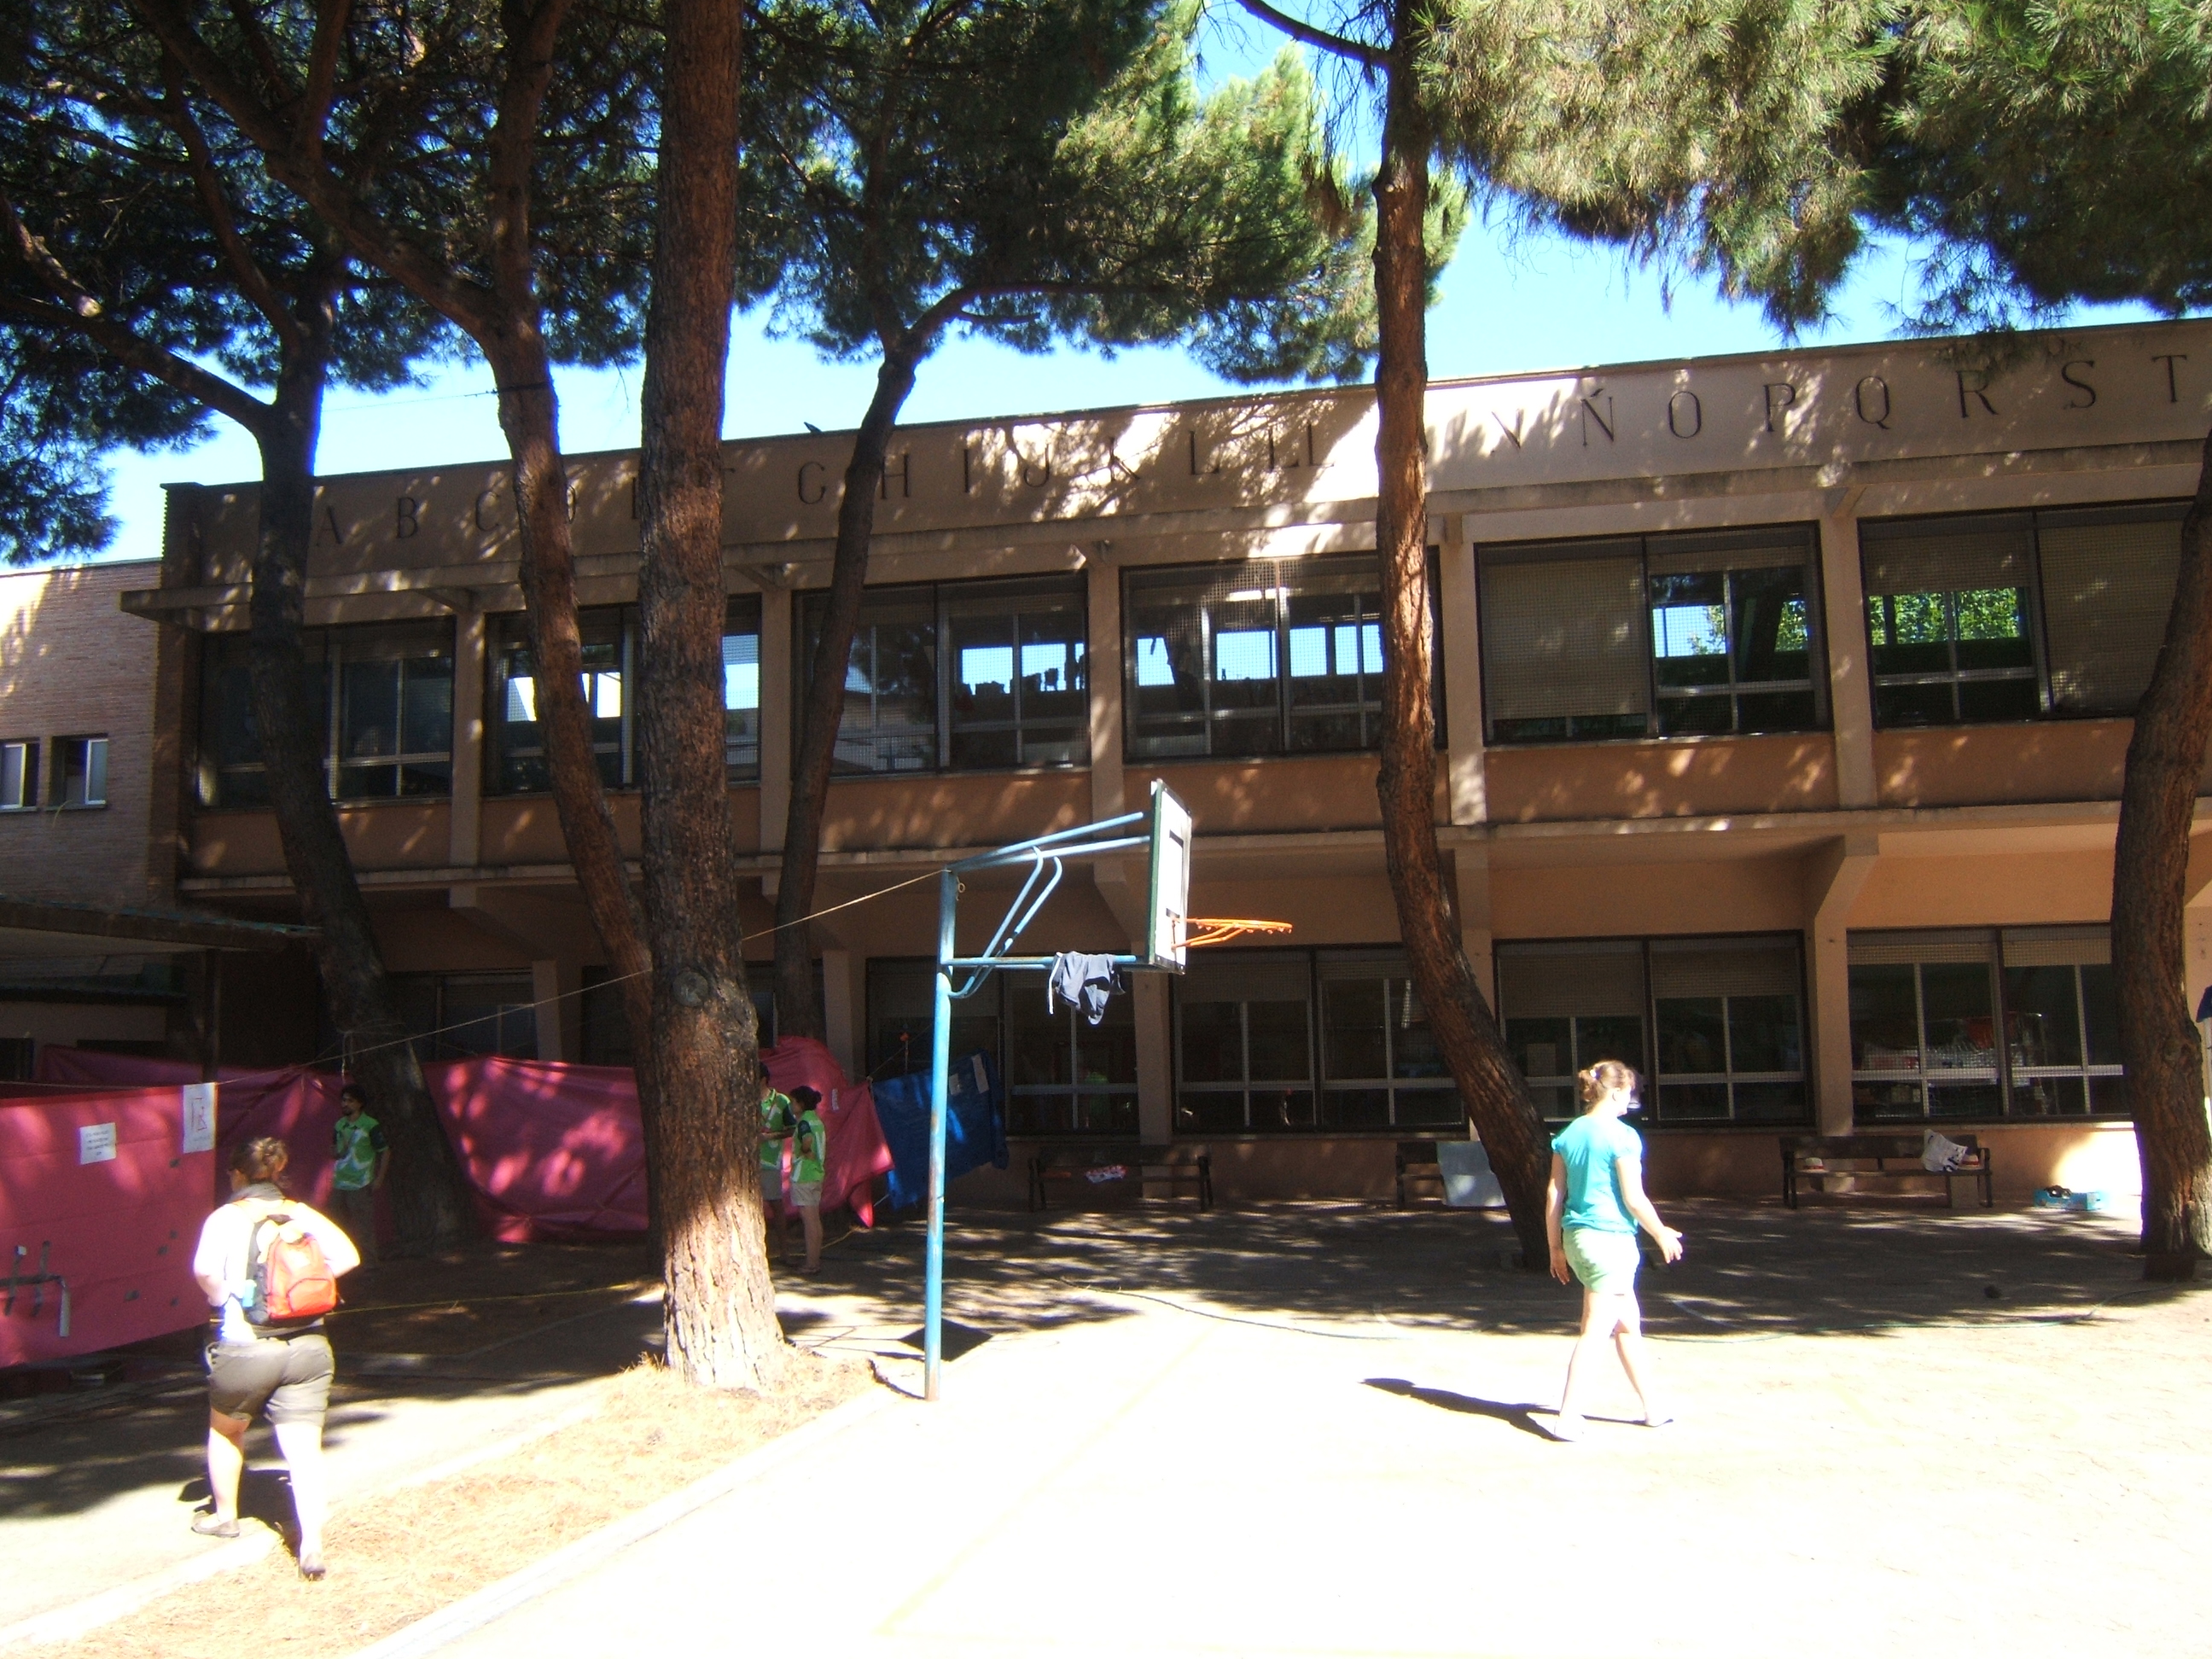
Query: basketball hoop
point(1220, 930)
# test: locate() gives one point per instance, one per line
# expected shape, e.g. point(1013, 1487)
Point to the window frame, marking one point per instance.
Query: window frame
point(92, 748)
point(30, 753)
point(1641, 546)
point(1059, 592)
point(1654, 1079)
point(2034, 519)
point(1209, 722)
point(323, 649)
point(2009, 1078)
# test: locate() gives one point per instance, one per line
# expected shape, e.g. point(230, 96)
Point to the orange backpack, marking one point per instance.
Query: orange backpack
point(291, 1280)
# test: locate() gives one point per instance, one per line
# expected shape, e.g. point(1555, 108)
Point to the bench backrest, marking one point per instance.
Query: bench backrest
point(1903, 1146)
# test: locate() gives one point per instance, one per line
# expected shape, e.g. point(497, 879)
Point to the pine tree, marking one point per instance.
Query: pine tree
point(1029, 171)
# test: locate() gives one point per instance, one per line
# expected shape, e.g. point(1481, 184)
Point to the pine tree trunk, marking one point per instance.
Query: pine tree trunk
point(1511, 1129)
point(798, 1009)
point(2150, 864)
point(430, 1203)
point(722, 1329)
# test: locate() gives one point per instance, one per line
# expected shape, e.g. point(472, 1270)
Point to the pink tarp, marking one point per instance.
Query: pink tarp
point(120, 1231)
point(553, 1151)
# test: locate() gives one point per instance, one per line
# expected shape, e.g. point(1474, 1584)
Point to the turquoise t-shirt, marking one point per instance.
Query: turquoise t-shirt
point(1589, 1147)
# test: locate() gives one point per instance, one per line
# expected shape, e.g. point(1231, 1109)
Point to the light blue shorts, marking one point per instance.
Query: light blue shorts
point(1605, 1262)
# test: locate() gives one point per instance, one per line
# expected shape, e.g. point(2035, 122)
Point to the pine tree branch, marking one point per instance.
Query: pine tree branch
point(76, 310)
point(513, 150)
point(315, 117)
point(1338, 44)
point(174, 112)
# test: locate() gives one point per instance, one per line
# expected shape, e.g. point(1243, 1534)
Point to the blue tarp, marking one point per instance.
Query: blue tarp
point(974, 1126)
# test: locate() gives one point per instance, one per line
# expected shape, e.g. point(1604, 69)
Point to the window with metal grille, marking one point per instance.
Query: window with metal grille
point(962, 677)
point(1976, 618)
point(1263, 657)
point(1637, 636)
point(1984, 1023)
point(1716, 1025)
point(381, 698)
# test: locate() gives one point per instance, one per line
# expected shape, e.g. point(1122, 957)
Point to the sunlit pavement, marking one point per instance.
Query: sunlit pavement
point(1308, 1430)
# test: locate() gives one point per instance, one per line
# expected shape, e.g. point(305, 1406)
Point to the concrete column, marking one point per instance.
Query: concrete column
point(472, 667)
point(1459, 625)
point(1471, 869)
point(775, 718)
point(839, 1029)
point(545, 991)
point(1104, 584)
point(1850, 680)
point(1834, 875)
point(1155, 1057)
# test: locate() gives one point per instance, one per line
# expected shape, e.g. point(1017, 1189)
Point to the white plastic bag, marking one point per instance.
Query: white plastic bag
point(1940, 1155)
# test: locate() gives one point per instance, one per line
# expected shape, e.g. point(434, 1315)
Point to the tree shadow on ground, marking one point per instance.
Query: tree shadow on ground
point(1750, 1268)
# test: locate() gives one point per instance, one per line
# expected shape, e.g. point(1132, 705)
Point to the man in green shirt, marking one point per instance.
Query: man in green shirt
point(810, 1154)
point(363, 1155)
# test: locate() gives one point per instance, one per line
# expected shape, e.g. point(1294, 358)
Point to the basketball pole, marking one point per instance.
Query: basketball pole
point(1043, 854)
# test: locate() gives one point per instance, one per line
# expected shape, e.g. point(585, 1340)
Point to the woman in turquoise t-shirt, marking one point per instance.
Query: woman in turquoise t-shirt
point(1592, 1209)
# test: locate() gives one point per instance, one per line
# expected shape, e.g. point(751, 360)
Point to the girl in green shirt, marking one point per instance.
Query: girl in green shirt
point(1592, 1208)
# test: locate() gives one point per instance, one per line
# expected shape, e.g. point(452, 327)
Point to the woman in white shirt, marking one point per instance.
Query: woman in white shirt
point(255, 1362)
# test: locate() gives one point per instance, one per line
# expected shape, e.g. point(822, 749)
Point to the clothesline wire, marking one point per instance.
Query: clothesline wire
point(346, 1053)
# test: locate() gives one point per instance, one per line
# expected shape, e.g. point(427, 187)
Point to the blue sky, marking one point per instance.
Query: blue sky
point(1512, 302)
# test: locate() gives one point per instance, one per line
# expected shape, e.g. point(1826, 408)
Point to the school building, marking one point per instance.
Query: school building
point(1784, 700)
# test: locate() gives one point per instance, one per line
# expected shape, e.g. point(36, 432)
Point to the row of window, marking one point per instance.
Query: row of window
point(1989, 616)
point(78, 778)
point(1965, 1024)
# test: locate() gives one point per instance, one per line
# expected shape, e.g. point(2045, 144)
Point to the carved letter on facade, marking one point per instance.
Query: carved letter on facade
point(1696, 415)
point(492, 496)
point(1780, 395)
point(2170, 358)
point(406, 519)
point(1513, 431)
point(1604, 422)
point(1211, 466)
point(1034, 475)
point(1859, 398)
point(905, 474)
point(2066, 374)
point(1973, 383)
point(330, 520)
point(821, 487)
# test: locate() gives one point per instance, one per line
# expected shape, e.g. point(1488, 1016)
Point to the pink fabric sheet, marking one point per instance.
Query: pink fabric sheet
point(553, 1151)
point(120, 1232)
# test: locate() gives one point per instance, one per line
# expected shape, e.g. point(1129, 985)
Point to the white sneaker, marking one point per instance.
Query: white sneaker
point(1658, 1419)
point(1565, 1428)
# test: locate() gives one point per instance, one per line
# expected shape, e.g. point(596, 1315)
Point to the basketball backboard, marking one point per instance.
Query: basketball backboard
point(1170, 889)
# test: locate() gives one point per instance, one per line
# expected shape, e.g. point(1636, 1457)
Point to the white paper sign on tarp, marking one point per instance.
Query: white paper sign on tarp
point(1469, 1182)
point(95, 1143)
point(198, 1117)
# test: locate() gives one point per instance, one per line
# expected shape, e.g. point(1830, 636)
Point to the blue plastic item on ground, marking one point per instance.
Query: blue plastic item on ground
point(974, 1126)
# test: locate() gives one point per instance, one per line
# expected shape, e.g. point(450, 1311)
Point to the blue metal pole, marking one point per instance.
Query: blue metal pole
point(940, 1065)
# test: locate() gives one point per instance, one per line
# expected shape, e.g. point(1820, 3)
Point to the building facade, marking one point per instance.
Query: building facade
point(1784, 700)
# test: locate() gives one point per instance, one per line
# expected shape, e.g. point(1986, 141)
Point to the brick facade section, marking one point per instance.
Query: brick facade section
point(73, 664)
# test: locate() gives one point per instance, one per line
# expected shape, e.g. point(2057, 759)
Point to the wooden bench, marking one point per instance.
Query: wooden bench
point(1418, 1166)
point(1879, 1158)
point(1142, 1164)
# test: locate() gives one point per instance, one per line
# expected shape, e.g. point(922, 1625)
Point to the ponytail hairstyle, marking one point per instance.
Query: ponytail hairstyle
point(262, 1158)
point(1601, 1079)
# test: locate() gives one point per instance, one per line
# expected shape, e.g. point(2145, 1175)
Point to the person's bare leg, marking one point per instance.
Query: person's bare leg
point(1628, 1343)
point(225, 1456)
point(809, 1222)
point(302, 1446)
point(1598, 1316)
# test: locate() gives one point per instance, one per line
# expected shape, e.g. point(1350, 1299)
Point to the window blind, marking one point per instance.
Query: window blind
point(1247, 976)
point(1938, 557)
point(1883, 950)
point(1555, 981)
point(2106, 590)
point(1565, 635)
point(2055, 947)
point(1724, 968)
point(1677, 555)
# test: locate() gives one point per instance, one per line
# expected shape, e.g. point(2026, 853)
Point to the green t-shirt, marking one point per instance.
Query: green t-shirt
point(810, 1149)
point(776, 1112)
point(356, 1144)
point(1589, 1147)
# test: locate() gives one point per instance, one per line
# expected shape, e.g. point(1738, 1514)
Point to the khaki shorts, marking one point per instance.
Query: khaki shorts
point(1605, 1262)
point(289, 1375)
point(807, 1194)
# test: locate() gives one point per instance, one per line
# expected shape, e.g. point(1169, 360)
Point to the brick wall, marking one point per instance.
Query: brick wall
point(72, 664)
